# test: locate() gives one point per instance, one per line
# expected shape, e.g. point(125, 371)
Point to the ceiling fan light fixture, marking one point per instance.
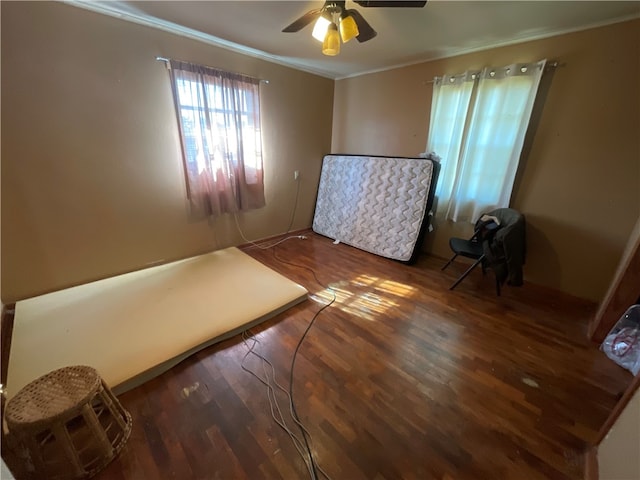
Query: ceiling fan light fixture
point(331, 44)
point(348, 28)
point(320, 28)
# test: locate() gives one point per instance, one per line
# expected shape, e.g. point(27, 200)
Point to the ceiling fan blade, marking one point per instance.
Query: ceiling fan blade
point(390, 3)
point(303, 21)
point(366, 31)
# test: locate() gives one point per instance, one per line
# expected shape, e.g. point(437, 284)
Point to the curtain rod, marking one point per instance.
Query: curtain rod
point(548, 65)
point(167, 60)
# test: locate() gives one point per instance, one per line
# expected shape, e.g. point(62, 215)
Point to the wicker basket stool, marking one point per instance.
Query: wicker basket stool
point(67, 424)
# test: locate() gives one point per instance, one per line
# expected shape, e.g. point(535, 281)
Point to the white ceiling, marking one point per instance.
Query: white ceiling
point(405, 35)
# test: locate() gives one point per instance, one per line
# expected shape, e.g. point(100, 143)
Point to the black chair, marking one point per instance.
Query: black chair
point(473, 248)
point(498, 243)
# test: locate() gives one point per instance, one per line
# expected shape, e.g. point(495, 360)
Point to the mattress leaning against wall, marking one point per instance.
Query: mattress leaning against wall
point(377, 204)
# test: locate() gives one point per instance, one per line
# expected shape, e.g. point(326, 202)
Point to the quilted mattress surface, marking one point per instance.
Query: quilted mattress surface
point(376, 204)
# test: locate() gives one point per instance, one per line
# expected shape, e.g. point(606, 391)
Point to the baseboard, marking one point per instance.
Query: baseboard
point(274, 238)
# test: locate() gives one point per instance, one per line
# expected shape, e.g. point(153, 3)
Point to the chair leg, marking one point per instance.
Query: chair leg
point(497, 286)
point(464, 275)
point(449, 262)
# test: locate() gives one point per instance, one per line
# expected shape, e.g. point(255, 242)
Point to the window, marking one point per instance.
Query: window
point(477, 127)
point(219, 120)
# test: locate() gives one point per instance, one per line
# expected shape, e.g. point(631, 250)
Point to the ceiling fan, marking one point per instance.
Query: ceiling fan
point(334, 17)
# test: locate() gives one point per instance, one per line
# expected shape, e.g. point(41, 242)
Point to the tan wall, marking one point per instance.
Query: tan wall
point(579, 185)
point(619, 452)
point(91, 175)
point(91, 178)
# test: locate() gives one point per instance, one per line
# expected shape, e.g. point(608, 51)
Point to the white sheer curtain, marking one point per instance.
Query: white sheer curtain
point(451, 100)
point(480, 147)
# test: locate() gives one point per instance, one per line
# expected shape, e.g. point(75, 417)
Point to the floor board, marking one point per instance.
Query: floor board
point(398, 378)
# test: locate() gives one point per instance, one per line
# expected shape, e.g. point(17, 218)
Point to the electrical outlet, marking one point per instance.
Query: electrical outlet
point(296, 174)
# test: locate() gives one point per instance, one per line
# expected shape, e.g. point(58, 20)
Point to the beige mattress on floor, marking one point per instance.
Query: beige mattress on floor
point(137, 325)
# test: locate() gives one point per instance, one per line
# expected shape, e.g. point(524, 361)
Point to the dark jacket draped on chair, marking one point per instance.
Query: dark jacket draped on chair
point(505, 250)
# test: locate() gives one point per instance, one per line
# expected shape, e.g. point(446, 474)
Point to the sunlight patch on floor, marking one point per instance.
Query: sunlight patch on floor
point(378, 300)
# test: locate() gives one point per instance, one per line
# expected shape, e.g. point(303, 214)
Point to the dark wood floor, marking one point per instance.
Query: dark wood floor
point(399, 378)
